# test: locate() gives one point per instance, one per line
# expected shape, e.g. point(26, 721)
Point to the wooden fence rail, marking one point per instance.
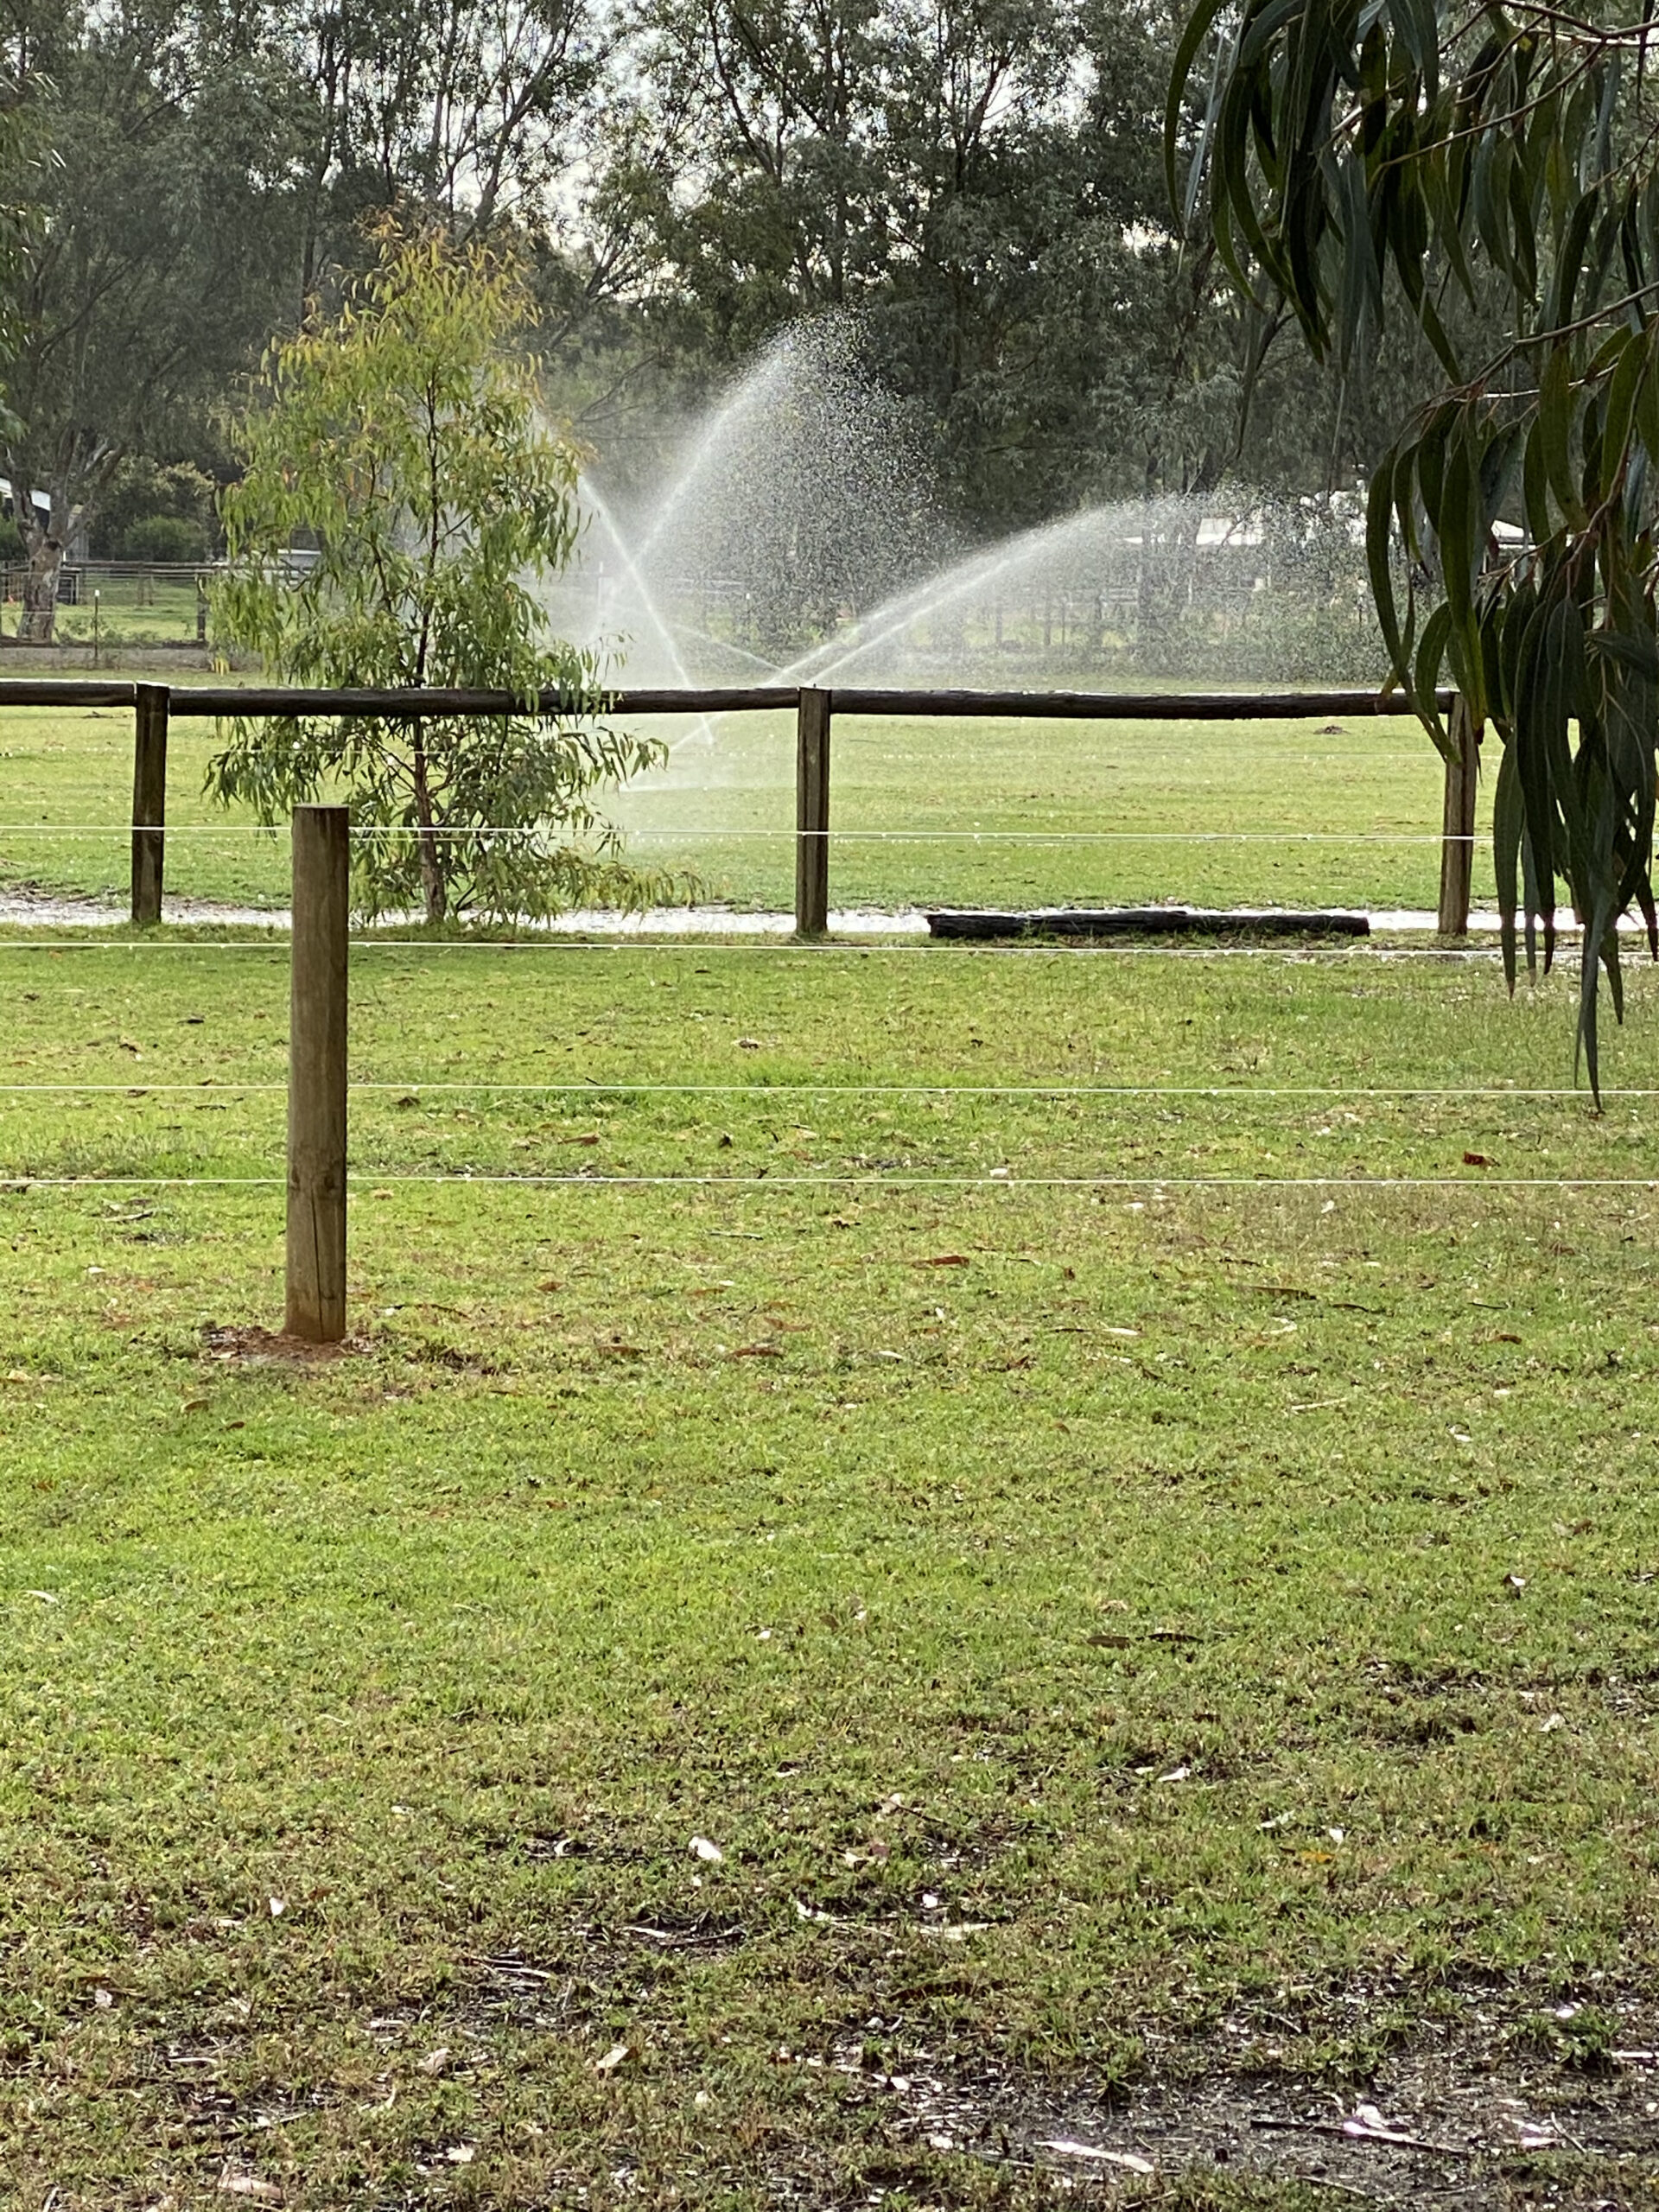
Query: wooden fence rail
point(154, 705)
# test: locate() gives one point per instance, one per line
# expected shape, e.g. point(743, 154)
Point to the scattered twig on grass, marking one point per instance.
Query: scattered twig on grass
point(1391, 2138)
point(515, 1966)
point(684, 1939)
point(1066, 2148)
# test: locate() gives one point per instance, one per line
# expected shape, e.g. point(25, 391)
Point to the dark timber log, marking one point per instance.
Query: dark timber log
point(973, 923)
point(223, 700)
point(1127, 706)
point(62, 691)
point(1065, 706)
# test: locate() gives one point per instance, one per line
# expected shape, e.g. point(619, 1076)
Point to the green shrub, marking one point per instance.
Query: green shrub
point(172, 538)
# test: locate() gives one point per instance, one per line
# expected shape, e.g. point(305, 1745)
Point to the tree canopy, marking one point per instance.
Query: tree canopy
point(1487, 177)
point(979, 180)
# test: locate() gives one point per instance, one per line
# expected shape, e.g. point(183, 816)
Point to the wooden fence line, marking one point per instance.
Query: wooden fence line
point(154, 705)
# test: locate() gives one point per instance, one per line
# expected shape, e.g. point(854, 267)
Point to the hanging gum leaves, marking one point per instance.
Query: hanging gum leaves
point(1357, 161)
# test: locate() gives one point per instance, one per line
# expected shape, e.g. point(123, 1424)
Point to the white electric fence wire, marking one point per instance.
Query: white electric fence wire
point(17, 1184)
point(597, 1087)
point(274, 946)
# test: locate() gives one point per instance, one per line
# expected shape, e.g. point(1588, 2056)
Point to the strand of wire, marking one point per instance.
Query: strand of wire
point(763, 942)
point(993, 1181)
point(598, 1087)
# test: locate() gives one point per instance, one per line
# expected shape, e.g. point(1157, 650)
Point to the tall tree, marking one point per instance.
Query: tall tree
point(477, 111)
point(980, 180)
point(1373, 166)
point(152, 258)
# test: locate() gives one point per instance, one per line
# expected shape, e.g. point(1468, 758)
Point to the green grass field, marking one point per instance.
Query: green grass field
point(132, 609)
point(964, 813)
point(1153, 1659)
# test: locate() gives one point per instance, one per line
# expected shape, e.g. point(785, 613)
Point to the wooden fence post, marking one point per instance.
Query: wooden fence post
point(812, 814)
point(316, 1076)
point(1458, 823)
point(149, 799)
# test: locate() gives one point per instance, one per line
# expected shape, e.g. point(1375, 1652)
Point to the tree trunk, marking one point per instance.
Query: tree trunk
point(434, 886)
point(40, 586)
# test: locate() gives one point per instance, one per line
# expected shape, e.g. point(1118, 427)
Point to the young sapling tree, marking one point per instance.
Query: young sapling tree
point(402, 493)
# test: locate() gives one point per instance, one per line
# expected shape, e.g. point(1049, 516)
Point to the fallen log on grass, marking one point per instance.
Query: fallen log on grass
point(980, 923)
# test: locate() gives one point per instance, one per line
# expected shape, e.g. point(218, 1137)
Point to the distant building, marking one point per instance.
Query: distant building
point(42, 501)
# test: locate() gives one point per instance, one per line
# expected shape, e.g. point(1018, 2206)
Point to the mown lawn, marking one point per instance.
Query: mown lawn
point(1121, 1638)
point(926, 811)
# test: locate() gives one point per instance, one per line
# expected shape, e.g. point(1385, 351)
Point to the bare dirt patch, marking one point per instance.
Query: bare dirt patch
point(252, 1346)
point(1453, 2122)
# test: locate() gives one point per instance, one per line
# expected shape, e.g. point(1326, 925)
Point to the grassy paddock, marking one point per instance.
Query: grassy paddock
point(924, 807)
point(1185, 1634)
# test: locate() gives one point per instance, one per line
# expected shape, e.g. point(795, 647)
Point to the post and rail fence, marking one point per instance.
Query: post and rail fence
point(317, 1086)
point(155, 705)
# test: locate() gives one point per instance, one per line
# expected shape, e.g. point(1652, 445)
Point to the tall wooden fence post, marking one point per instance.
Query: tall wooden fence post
point(812, 814)
point(1458, 823)
point(316, 1076)
point(149, 799)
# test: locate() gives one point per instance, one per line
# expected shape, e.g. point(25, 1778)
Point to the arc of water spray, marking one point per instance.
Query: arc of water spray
point(754, 392)
point(702, 729)
point(940, 591)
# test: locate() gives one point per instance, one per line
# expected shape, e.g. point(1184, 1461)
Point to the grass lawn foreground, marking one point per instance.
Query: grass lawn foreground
point(925, 1625)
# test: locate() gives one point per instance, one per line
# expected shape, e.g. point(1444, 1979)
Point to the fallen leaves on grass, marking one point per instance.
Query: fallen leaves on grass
point(710, 1853)
point(1477, 1160)
point(618, 2054)
point(943, 1260)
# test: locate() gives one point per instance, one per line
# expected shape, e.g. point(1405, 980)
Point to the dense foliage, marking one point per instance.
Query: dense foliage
point(1381, 166)
point(401, 439)
point(980, 180)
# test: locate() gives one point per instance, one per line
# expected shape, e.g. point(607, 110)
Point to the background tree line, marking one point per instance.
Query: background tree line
point(982, 180)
